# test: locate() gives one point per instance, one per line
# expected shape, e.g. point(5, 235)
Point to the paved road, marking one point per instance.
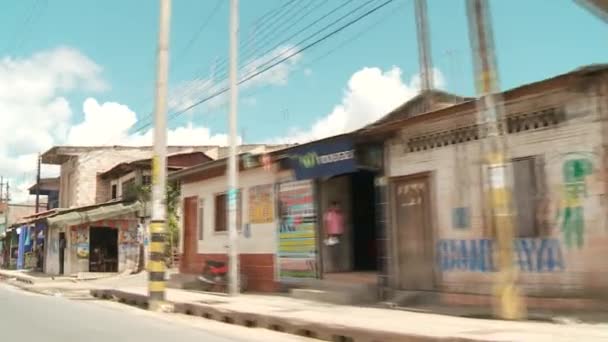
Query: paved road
point(30, 317)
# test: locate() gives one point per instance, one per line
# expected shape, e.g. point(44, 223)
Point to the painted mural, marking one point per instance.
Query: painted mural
point(539, 255)
point(297, 250)
point(575, 170)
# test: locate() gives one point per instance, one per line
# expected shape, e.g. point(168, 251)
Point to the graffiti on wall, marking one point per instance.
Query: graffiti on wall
point(575, 170)
point(460, 217)
point(531, 255)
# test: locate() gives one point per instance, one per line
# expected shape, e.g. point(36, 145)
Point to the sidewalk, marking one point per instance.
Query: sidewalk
point(348, 323)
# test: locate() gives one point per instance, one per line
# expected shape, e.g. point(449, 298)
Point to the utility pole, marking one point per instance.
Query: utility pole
point(508, 301)
point(158, 228)
point(233, 261)
point(424, 49)
point(38, 185)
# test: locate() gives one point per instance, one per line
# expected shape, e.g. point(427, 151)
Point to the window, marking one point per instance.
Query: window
point(114, 191)
point(221, 212)
point(128, 191)
point(146, 180)
point(200, 217)
point(527, 191)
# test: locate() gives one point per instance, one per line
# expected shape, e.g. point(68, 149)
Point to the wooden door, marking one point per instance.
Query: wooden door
point(190, 236)
point(414, 234)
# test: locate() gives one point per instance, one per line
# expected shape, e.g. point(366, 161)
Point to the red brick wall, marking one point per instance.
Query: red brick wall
point(259, 269)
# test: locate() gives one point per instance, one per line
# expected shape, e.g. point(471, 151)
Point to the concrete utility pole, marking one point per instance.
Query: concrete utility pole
point(38, 185)
point(599, 8)
point(508, 301)
point(158, 228)
point(233, 264)
point(424, 49)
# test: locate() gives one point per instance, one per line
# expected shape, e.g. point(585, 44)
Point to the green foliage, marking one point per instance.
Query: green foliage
point(143, 193)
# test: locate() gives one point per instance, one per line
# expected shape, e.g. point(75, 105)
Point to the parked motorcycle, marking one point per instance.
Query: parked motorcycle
point(215, 275)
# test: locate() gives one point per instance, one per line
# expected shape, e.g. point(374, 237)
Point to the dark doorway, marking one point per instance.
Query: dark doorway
point(363, 221)
point(103, 249)
point(62, 245)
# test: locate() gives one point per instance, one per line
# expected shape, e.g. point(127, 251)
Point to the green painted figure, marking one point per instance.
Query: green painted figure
point(575, 190)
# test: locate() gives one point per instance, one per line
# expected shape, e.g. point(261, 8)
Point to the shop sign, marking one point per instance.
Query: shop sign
point(323, 159)
point(261, 204)
point(297, 248)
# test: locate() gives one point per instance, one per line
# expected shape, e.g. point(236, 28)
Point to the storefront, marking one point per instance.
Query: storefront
point(101, 238)
point(329, 222)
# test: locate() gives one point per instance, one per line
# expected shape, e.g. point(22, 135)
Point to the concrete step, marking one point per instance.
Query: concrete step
point(412, 299)
point(344, 295)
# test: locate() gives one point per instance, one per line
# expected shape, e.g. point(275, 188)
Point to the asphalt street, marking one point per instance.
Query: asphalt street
point(30, 317)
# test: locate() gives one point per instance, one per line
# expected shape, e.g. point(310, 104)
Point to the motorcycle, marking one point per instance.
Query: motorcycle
point(215, 275)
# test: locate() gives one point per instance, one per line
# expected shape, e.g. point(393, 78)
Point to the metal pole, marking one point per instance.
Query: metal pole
point(38, 185)
point(424, 50)
point(233, 288)
point(508, 301)
point(158, 229)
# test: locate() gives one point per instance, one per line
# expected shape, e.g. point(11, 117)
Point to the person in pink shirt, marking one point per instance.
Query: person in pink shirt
point(334, 224)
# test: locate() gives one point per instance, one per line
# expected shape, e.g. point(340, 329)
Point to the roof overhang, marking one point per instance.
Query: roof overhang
point(88, 214)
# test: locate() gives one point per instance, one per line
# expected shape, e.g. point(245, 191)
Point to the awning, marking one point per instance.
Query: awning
point(94, 214)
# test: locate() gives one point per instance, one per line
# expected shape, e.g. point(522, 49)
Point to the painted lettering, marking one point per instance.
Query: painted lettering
point(531, 255)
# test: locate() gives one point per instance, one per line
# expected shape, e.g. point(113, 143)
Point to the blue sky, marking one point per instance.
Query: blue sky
point(116, 41)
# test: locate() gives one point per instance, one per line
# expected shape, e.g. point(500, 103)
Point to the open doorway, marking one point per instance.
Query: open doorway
point(354, 257)
point(103, 249)
point(363, 222)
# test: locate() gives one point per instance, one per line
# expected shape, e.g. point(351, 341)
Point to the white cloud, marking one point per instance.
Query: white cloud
point(370, 94)
point(190, 92)
point(34, 111)
point(106, 123)
point(188, 135)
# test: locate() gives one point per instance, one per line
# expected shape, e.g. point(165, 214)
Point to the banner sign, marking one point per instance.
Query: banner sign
point(324, 159)
point(297, 250)
point(261, 204)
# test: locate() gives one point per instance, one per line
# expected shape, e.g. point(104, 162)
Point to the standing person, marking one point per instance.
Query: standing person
point(334, 224)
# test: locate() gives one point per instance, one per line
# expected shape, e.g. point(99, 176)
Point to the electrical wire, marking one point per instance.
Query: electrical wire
point(268, 67)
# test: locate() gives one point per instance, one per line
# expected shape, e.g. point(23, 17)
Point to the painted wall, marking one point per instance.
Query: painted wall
point(257, 242)
point(262, 237)
point(565, 257)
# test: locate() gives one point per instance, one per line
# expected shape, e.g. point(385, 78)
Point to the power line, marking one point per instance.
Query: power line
point(357, 35)
point(248, 50)
point(298, 51)
point(273, 14)
point(209, 88)
point(199, 31)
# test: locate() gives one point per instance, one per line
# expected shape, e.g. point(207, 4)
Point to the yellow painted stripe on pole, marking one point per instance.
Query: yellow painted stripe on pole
point(156, 227)
point(156, 286)
point(156, 266)
point(155, 169)
point(158, 247)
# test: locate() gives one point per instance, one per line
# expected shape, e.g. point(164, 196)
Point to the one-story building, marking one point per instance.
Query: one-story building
point(97, 238)
point(440, 236)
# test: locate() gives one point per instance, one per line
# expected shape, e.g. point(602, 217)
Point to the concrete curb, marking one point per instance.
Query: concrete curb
point(312, 329)
point(20, 277)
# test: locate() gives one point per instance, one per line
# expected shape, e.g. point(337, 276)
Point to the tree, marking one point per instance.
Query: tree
point(142, 193)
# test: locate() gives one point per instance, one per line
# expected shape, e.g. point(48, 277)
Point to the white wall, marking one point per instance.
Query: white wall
point(263, 237)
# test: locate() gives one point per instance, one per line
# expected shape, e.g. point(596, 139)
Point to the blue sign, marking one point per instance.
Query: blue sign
point(324, 159)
